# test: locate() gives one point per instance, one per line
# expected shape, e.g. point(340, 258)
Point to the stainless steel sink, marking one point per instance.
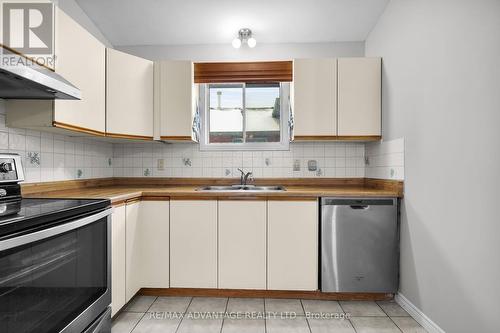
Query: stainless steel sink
point(241, 188)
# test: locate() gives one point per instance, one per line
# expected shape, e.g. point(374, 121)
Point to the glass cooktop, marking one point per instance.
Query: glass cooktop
point(27, 213)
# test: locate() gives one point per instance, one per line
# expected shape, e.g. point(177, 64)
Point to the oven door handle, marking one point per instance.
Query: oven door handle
point(54, 231)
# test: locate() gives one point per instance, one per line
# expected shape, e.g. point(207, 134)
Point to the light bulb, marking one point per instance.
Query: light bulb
point(251, 42)
point(236, 43)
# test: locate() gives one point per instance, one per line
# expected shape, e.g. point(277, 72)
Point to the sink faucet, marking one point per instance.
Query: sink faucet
point(245, 176)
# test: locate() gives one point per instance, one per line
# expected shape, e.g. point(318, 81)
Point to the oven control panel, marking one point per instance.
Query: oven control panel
point(11, 169)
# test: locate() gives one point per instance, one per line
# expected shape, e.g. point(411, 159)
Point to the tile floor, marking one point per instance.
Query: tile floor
point(204, 314)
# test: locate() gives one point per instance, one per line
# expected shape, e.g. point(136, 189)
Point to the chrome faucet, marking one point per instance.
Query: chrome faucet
point(245, 176)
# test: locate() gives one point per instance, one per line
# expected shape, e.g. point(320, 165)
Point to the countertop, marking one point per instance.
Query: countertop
point(121, 193)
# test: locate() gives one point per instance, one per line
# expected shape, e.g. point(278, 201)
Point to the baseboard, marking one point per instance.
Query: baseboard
point(258, 293)
point(418, 315)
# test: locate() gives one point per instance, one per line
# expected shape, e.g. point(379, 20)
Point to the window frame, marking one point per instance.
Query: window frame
point(282, 145)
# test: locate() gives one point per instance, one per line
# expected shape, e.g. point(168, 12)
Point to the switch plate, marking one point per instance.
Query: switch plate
point(312, 165)
point(160, 164)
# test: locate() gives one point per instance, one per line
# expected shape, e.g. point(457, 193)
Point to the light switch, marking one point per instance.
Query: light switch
point(160, 164)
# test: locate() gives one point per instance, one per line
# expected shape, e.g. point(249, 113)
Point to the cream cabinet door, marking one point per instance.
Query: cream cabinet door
point(193, 244)
point(359, 96)
point(118, 299)
point(242, 244)
point(175, 99)
point(147, 246)
point(314, 98)
point(132, 254)
point(80, 59)
point(129, 95)
point(153, 251)
point(292, 258)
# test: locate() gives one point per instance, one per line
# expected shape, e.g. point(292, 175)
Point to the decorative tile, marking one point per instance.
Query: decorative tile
point(33, 159)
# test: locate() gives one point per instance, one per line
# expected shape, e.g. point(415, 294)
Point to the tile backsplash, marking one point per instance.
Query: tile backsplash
point(49, 157)
point(319, 159)
point(385, 159)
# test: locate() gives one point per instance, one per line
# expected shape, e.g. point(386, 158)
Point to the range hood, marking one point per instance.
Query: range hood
point(22, 78)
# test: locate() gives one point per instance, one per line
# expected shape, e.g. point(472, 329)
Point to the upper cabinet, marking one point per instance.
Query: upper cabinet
point(80, 59)
point(129, 96)
point(314, 102)
point(359, 96)
point(175, 101)
point(337, 99)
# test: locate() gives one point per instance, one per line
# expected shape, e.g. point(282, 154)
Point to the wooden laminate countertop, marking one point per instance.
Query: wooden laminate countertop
point(119, 193)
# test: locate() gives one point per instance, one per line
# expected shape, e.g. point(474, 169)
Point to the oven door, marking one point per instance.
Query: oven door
point(56, 279)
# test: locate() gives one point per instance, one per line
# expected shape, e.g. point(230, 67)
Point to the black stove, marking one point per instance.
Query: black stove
point(55, 266)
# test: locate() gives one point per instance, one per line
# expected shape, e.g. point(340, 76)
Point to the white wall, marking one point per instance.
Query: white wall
point(441, 91)
point(225, 52)
point(71, 8)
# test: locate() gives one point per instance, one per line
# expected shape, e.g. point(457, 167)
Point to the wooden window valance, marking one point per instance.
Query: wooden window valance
point(259, 71)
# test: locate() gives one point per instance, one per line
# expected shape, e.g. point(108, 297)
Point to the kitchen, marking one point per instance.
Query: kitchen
point(192, 167)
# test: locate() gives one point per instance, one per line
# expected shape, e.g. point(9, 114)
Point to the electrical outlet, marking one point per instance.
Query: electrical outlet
point(160, 164)
point(312, 165)
point(296, 165)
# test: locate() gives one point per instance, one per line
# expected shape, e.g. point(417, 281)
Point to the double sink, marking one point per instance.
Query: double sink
point(241, 188)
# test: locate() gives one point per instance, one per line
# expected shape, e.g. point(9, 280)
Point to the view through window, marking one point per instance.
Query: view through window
point(244, 113)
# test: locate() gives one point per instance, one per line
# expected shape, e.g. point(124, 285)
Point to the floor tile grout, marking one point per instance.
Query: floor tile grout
point(133, 328)
point(307, 321)
point(223, 318)
point(183, 315)
point(265, 320)
point(399, 328)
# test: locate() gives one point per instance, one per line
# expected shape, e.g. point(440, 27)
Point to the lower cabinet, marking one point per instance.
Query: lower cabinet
point(118, 298)
point(193, 244)
point(147, 246)
point(242, 244)
point(132, 253)
point(226, 244)
point(292, 236)
point(153, 232)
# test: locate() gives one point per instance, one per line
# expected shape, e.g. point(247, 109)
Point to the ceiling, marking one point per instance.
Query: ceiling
point(178, 22)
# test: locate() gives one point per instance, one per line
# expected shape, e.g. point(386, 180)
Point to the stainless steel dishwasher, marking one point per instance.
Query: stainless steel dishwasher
point(359, 245)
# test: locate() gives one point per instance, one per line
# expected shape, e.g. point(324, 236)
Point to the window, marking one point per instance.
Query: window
point(245, 116)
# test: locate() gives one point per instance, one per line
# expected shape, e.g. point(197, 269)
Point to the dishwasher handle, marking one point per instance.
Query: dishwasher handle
point(360, 207)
